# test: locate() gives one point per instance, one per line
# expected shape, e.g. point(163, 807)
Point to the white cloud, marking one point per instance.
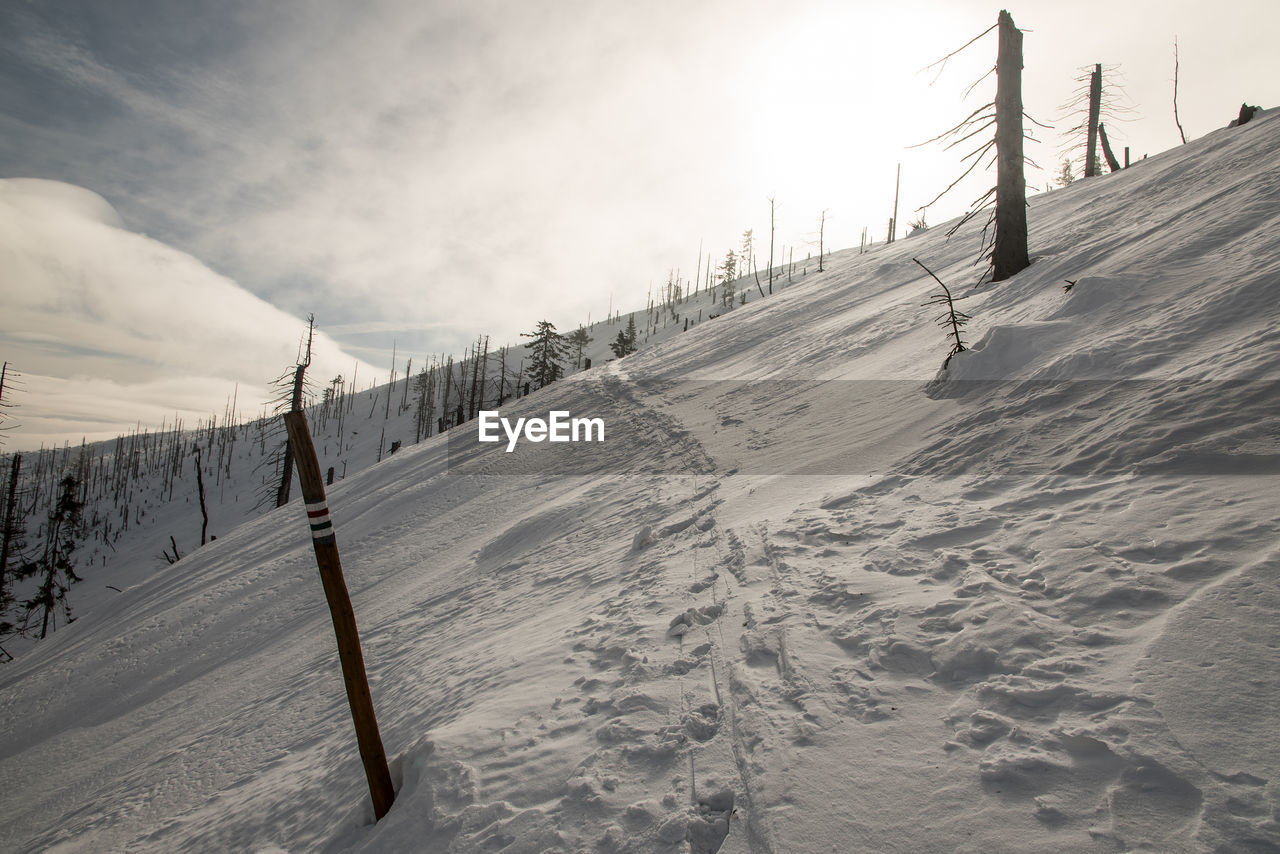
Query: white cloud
point(109, 327)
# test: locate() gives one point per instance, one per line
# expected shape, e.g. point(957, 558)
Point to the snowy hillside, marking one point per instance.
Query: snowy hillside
point(809, 595)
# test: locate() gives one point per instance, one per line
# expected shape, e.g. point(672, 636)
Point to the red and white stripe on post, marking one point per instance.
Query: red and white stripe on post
point(321, 525)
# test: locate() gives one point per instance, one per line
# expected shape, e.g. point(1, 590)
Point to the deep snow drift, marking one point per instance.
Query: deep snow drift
point(755, 620)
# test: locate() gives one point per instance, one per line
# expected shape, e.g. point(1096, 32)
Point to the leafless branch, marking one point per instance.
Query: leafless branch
point(972, 166)
point(974, 84)
point(974, 209)
point(958, 127)
point(943, 62)
point(978, 152)
point(1033, 121)
point(970, 135)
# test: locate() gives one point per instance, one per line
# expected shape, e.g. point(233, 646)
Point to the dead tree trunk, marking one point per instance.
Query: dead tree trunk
point(1112, 163)
point(1095, 112)
point(404, 399)
point(484, 370)
point(295, 405)
point(472, 406)
point(822, 228)
point(204, 512)
point(897, 185)
point(1009, 252)
point(392, 383)
point(772, 207)
point(1176, 121)
point(8, 532)
point(697, 276)
point(448, 381)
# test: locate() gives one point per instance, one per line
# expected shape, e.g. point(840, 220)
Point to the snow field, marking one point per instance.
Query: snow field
point(727, 636)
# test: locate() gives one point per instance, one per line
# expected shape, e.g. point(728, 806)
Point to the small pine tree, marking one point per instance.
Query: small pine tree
point(578, 339)
point(728, 272)
point(549, 350)
point(1066, 175)
point(952, 320)
point(625, 343)
point(619, 345)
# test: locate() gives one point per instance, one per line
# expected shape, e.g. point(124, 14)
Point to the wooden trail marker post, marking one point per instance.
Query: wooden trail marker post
point(344, 619)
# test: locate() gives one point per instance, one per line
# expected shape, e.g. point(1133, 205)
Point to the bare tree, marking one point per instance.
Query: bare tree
point(1004, 113)
point(822, 228)
point(697, 276)
point(424, 387)
point(1095, 118)
point(1009, 253)
point(8, 376)
point(204, 511)
point(772, 209)
point(391, 387)
point(1097, 99)
point(893, 223)
point(404, 399)
point(295, 405)
point(1112, 163)
point(484, 373)
point(10, 534)
point(1175, 91)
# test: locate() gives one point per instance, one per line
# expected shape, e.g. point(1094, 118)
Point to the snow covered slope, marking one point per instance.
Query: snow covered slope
point(947, 616)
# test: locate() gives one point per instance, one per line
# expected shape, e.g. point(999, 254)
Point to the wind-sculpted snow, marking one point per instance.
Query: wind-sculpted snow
point(713, 632)
point(941, 428)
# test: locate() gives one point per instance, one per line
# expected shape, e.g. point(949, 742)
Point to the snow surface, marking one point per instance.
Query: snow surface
point(726, 634)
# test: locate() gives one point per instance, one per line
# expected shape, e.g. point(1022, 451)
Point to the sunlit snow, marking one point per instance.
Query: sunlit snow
point(725, 633)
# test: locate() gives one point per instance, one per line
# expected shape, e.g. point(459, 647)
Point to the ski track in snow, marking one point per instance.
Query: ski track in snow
point(676, 652)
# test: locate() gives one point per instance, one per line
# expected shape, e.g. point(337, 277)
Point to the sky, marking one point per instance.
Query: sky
point(420, 172)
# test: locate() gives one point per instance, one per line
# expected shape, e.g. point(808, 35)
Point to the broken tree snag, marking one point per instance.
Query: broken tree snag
point(344, 619)
point(1112, 163)
point(286, 479)
point(204, 511)
point(1176, 121)
point(295, 404)
point(1095, 112)
point(1009, 253)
